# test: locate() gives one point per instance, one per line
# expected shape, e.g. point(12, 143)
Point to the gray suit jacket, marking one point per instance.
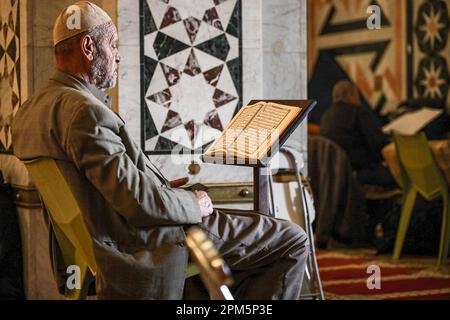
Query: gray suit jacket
point(135, 219)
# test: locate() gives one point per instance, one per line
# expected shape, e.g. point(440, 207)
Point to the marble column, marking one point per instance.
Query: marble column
point(284, 47)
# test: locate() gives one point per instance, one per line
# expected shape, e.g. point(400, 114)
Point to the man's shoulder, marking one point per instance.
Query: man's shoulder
point(54, 92)
point(79, 98)
point(330, 115)
point(342, 110)
point(56, 104)
point(89, 112)
point(74, 100)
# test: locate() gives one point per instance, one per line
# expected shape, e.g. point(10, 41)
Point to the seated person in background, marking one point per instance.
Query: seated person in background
point(134, 216)
point(355, 129)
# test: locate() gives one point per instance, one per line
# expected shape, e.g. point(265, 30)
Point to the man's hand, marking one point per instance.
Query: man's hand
point(205, 203)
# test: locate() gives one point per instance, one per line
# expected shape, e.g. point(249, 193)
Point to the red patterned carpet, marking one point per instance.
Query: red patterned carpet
point(344, 276)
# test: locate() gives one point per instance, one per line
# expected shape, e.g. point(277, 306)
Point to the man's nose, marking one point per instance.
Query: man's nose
point(118, 57)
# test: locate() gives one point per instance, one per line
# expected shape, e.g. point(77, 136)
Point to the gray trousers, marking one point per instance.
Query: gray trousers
point(267, 256)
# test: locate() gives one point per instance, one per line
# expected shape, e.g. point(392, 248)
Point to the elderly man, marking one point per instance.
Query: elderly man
point(356, 130)
point(136, 219)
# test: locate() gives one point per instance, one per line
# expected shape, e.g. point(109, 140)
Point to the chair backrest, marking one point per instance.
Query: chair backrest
point(418, 168)
point(339, 197)
point(64, 211)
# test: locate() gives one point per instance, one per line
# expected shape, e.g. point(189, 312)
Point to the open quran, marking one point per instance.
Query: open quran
point(256, 133)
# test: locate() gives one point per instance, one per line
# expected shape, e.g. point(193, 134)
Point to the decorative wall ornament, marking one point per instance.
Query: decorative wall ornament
point(342, 47)
point(432, 29)
point(433, 79)
point(432, 26)
point(191, 70)
point(9, 69)
point(407, 58)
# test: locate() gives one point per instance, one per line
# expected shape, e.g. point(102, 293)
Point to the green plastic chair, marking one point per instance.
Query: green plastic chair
point(420, 174)
point(67, 221)
point(68, 225)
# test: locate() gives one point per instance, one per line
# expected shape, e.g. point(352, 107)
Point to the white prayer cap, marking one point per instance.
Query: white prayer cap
point(78, 18)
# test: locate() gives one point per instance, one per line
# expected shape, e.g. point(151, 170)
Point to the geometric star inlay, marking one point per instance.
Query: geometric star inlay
point(192, 71)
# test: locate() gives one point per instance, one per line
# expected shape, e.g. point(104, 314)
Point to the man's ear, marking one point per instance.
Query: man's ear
point(87, 47)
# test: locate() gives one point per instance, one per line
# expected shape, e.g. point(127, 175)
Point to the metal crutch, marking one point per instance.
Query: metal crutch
point(312, 270)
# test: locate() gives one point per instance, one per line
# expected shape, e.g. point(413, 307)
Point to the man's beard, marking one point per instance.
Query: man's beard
point(103, 73)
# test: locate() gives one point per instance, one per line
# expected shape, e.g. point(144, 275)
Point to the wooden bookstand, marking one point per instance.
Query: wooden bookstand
point(261, 169)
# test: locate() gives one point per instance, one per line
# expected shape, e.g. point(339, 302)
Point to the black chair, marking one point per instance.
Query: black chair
point(339, 198)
